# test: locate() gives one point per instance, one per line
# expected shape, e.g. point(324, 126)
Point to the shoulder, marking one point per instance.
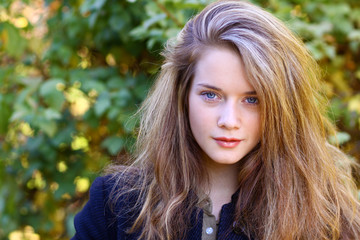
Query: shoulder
point(94, 220)
point(110, 199)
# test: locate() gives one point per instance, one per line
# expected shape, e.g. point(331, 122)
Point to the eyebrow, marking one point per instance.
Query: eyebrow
point(209, 86)
point(219, 89)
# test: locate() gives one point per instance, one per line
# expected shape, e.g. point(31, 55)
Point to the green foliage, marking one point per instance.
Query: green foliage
point(73, 72)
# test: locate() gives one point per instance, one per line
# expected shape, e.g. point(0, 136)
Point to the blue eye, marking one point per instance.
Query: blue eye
point(252, 100)
point(210, 95)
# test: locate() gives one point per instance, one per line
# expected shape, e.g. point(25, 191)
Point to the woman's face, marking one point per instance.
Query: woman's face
point(223, 107)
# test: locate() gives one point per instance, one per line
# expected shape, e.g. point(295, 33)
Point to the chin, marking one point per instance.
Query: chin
point(226, 161)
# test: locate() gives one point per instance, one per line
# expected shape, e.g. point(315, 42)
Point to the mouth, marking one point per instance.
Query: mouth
point(227, 142)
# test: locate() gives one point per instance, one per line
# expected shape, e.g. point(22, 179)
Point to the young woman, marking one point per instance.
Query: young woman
point(232, 143)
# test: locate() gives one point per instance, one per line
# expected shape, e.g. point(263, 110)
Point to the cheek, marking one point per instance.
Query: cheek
point(255, 124)
point(198, 117)
point(194, 117)
point(192, 111)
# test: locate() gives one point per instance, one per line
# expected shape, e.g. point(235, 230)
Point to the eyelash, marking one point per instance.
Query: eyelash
point(255, 98)
point(216, 97)
point(205, 94)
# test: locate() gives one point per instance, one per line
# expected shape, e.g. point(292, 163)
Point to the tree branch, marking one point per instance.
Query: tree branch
point(169, 14)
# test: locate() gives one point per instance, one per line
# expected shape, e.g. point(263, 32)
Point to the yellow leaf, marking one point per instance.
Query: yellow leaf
point(340, 82)
point(61, 166)
point(110, 60)
point(82, 184)
point(80, 143)
point(26, 129)
point(27, 233)
point(21, 22)
point(354, 104)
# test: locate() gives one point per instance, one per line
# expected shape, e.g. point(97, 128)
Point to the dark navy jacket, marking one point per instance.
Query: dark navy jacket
point(96, 220)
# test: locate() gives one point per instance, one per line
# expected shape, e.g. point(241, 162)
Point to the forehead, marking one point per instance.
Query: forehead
point(213, 54)
point(221, 67)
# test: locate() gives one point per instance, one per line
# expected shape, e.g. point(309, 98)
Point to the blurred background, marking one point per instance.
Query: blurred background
point(72, 72)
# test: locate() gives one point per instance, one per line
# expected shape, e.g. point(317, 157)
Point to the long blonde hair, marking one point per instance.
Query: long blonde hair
point(293, 185)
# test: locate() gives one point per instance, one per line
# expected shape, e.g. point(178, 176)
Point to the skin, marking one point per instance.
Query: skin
point(224, 119)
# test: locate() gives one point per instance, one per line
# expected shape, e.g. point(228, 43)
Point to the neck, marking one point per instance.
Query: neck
point(222, 177)
point(223, 182)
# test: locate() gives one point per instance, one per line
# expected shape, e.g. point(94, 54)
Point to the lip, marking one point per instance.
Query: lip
point(226, 142)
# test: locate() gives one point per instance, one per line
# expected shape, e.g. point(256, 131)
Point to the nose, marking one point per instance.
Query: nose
point(229, 117)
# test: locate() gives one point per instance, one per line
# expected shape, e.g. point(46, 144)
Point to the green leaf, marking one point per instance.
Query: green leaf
point(51, 114)
point(340, 138)
point(130, 123)
point(122, 97)
point(52, 96)
point(153, 20)
point(102, 104)
point(92, 19)
point(92, 84)
point(64, 136)
point(5, 113)
point(354, 35)
point(335, 10)
point(116, 82)
point(117, 22)
point(113, 144)
point(90, 5)
point(47, 126)
point(113, 113)
point(15, 44)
